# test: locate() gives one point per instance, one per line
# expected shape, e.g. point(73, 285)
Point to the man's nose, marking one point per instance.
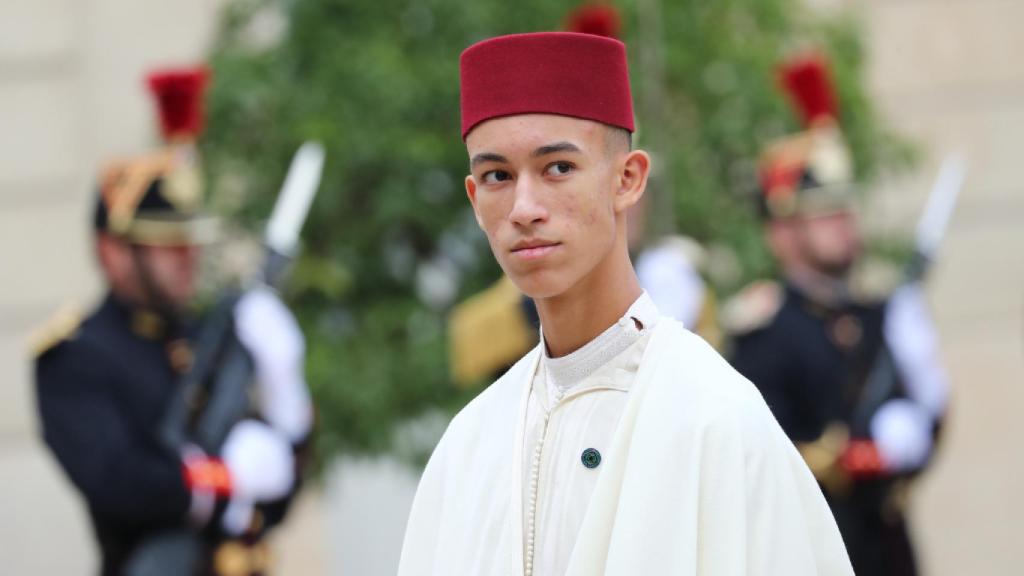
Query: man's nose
point(527, 208)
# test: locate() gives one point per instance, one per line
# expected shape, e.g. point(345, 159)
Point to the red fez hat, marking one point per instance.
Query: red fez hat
point(564, 73)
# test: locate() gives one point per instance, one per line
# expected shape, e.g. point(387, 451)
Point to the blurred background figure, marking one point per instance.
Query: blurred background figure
point(855, 382)
point(105, 382)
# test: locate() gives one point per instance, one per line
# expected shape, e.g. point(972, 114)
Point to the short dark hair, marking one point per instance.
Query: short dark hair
point(619, 137)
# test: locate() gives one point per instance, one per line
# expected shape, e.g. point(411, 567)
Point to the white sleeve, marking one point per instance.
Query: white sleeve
point(902, 428)
point(673, 283)
point(911, 337)
point(271, 334)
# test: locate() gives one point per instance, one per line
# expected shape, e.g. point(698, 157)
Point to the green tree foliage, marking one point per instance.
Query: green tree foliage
point(391, 242)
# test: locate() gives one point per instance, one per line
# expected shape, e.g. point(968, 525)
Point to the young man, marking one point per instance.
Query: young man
point(105, 383)
point(622, 444)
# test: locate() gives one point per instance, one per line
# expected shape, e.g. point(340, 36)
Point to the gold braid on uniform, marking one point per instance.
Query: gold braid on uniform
point(63, 325)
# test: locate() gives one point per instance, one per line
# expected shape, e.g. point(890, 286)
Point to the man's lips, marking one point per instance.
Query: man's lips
point(534, 249)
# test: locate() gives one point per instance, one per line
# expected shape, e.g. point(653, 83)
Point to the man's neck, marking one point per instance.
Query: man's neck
point(131, 300)
point(821, 288)
point(583, 312)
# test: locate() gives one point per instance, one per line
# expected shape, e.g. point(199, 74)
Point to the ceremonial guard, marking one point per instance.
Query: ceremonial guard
point(105, 381)
point(853, 380)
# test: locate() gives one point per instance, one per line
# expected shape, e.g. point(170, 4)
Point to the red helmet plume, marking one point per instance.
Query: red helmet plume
point(599, 19)
point(808, 84)
point(179, 96)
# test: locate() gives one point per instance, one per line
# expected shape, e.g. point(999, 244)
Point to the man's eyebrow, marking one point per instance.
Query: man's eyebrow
point(554, 148)
point(487, 157)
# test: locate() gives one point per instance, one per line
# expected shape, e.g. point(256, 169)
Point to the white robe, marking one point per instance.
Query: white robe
point(698, 480)
point(575, 405)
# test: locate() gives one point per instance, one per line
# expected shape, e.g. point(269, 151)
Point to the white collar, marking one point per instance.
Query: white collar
point(566, 371)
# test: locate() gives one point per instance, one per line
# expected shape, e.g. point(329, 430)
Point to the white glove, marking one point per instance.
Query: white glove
point(262, 469)
point(902, 431)
point(260, 461)
point(267, 329)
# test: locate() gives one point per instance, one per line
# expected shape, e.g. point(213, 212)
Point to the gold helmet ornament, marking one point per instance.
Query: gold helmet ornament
point(811, 171)
point(156, 198)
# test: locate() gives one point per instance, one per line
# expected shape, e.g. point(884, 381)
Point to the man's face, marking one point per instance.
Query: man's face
point(172, 271)
point(152, 276)
point(829, 243)
point(543, 188)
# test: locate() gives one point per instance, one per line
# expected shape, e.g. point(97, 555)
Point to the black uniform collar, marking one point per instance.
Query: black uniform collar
point(827, 294)
point(142, 322)
point(819, 301)
point(145, 324)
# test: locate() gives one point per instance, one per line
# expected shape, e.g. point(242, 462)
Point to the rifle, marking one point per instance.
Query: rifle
point(215, 393)
point(930, 231)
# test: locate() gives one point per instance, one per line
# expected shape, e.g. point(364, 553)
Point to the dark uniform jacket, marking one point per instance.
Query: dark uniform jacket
point(102, 392)
point(811, 363)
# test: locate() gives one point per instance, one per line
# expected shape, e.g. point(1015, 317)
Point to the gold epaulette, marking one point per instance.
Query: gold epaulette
point(487, 332)
point(754, 307)
point(60, 327)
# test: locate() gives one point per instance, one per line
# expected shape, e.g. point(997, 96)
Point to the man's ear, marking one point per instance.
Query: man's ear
point(113, 257)
point(634, 168)
point(780, 235)
point(471, 194)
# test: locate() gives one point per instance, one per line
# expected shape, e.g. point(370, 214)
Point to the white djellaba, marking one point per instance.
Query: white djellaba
point(693, 474)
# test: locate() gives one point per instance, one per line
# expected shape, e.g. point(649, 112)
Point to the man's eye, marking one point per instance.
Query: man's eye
point(496, 176)
point(559, 169)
